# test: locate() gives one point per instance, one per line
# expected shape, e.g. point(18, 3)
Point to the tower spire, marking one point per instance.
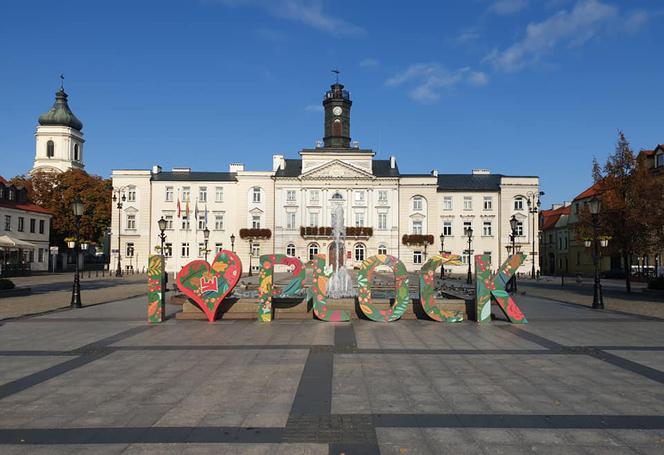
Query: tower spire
point(62, 82)
point(336, 72)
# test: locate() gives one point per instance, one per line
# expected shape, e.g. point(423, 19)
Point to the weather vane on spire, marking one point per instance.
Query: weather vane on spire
point(336, 72)
point(62, 82)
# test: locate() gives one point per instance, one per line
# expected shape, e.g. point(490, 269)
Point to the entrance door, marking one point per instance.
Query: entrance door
point(333, 255)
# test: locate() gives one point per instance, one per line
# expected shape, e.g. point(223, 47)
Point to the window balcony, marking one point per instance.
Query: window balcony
point(352, 232)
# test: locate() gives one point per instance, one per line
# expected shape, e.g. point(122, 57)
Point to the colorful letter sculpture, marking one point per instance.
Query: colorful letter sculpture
point(207, 285)
point(318, 293)
point(266, 289)
point(490, 286)
point(402, 295)
point(428, 291)
point(156, 308)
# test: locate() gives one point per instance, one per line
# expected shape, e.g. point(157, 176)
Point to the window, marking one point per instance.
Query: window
point(290, 250)
point(359, 196)
point(382, 249)
point(447, 203)
point(359, 219)
point(337, 196)
point(659, 160)
point(218, 247)
point(201, 249)
point(131, 221)
point(21, 223)
point(417, 227)
point(382, 221)
point(417, 203)
point(382, 196)
point(518, 203)
point(8, 222)
point(467, 225)
point(169, 221)
point(12, 195)
point(314, 196)
point(185, 194)
point(169, 194)
point(201, 222)
point(168, 250)
point(447, 228)
point(359, 252)
point(313, 219)
point(40, 255)
point(290, 220)
point(255, 249)
point(488, 203)
point(130, 250)
point(185, 223)
point(468, 203)
point(184, 251)
point(219, 194)
point(202, 194)
point(519, 229)
point(313, 250)
point(256, 195)
point(219, 222)
point(131, 194)
point(488, 255)
point(42, 226)
point(417, 257)
point(486, 228)
point(290, 196)
point(33, 225)
point(50, 149)
point(76, 153)
point(256, 221)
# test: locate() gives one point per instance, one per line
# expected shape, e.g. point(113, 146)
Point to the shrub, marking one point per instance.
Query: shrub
point(6, 284)
point(656, 283)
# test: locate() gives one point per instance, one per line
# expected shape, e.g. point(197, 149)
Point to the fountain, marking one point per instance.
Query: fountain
point(340, 284)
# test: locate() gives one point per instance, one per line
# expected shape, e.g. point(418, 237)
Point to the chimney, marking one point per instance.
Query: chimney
point(156, 169)
point(278, 162)
point(236, 167)
point(393, 162)
point(434, 172)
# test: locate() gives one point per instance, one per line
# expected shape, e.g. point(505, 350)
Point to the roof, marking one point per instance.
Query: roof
point(594, 190)
point(292, 168)
point(551, 217)
point(26, 206)
point(381, 168)
point(60, 114)
point(469, 182)
point(3, 181)
point(195, 177)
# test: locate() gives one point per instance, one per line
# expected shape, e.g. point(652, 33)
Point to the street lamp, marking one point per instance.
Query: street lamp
point(469, 233)
point(514, 224)
point(206, 237)
point(77, 210)
point(251, 254)
point(442, 251)
point(598, 300)
point(534, 203)
point(233, 243)
point(119, 197)
point(163, 224)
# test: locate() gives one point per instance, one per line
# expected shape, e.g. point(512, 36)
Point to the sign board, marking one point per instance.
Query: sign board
point(54, 250)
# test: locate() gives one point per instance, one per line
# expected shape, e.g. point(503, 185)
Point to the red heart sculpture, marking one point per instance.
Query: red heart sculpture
point(208, 285)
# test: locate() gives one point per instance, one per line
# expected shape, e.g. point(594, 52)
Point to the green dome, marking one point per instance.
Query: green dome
point(60, 114)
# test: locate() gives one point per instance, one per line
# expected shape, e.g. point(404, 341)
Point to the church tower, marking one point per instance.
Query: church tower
point(59, 140)
point(337, 105)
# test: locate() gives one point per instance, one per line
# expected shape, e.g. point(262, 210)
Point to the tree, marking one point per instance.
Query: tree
point(56, 191)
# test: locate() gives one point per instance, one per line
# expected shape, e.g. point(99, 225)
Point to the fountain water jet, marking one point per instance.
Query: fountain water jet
point(340, 284)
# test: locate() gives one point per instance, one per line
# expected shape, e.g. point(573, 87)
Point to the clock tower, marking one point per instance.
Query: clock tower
point(337, 105)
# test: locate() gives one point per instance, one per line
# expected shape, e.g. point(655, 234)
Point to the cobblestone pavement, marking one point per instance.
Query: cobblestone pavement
point(100, 380)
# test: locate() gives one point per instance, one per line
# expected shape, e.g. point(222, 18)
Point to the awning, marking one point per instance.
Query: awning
point(10, 242)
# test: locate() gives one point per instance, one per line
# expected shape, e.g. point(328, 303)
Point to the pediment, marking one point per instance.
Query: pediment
point(337, 169)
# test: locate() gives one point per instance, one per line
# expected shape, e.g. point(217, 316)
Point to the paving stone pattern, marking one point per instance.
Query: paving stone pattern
point(100, 380)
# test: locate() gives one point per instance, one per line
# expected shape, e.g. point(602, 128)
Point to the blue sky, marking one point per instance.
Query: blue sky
point(525, 87)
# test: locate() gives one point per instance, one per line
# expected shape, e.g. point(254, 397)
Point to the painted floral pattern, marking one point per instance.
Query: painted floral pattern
point(156, 310)
point(318, 292)
point(428, 291)
point(492, 287)
point(266, 288)
point(402, 295)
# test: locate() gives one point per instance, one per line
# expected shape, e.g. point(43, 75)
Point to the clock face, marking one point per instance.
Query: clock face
point(337, 110)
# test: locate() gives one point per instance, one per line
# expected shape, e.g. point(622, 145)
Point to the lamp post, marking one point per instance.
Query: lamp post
point(514, 223)
point(119, 197)
point(77, 210)
point(233, 243)
point(598, 300)
point(534, 203)
point(163, 224)
point(251, 255)
point(469, 233)
point(442, 251)
point(206, 237)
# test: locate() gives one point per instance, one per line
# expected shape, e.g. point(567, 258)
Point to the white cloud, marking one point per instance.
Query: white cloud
point(314, 108)
point(428, 80)
point(467, 36)
point(308, 12)
point(572, 28)
point(636, 20)
point(504, 7)
point(369, 63)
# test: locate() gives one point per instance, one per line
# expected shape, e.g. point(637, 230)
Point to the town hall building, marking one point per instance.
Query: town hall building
point(290, 208)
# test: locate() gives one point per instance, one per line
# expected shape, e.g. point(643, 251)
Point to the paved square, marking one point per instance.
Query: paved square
point(100, 380)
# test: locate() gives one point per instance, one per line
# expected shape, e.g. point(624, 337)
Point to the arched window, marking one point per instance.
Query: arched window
point(418, 203)
point(50, 149)
point(359, 252)
point(518, 203)
point(76, 153)
point(382, 249)
point(336, 128)
point(256, 194)
point(290, 250)
point(337, 196)
point(313, 250)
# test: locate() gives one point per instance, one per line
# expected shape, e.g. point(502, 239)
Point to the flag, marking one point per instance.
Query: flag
point(179, 207)
point(205, 215)
point(196, 213)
